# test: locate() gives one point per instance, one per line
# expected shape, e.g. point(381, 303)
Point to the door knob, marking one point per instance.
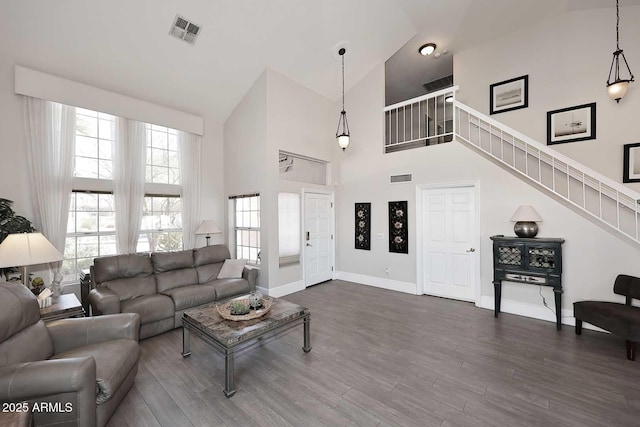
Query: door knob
point(308, 244)
point(471, 250)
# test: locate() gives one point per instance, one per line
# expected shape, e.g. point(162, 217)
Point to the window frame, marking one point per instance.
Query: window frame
point(238, 244)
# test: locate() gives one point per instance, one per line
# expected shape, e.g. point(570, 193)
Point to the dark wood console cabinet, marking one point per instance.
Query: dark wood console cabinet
point(533, 261)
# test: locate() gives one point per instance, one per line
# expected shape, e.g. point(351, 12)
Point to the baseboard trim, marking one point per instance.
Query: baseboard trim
point(280, 291)
point(378, 282)
point(533, 311)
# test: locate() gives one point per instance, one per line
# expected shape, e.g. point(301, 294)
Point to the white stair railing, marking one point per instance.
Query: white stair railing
point(610, 202)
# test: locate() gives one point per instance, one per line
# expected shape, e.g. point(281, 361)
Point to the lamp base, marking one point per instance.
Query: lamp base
point(527, 229)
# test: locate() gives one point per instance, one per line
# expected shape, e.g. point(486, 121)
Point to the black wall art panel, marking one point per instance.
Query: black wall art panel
point(398, 224)
point(363, 226)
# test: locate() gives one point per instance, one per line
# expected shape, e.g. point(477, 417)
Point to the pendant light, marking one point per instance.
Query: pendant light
point(617, 88)
point(343, 135)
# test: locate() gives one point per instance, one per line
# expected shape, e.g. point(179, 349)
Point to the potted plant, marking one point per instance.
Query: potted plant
point(11, 223)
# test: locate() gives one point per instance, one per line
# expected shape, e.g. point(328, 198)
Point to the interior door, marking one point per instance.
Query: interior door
point(317, 244)
point(449, 238)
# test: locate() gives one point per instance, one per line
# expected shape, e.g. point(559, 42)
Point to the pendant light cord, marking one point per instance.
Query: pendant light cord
point(617, 26)
point(343, 80)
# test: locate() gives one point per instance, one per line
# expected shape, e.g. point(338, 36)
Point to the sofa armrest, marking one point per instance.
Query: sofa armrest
point(68, 334)
point(251, 276)
point(46, 378)
point(104, 301)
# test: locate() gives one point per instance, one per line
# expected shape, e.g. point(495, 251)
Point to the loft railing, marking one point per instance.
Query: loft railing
point(610, 202)
point(430, 119)
point(419, 122)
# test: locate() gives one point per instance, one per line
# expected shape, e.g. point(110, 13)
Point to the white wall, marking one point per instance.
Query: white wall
point(245, 151)
point(299, 121)
point(567, 59)
point(275, 114)
point(592, 256)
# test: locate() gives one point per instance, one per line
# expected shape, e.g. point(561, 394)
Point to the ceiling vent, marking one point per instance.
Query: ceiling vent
point(184, 30)
point(436, 85)
point(398, 179)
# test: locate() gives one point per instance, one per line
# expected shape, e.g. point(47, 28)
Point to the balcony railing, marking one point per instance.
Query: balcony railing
point(419, 122)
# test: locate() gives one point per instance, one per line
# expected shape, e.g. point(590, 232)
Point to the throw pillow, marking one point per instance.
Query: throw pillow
point(232, 269)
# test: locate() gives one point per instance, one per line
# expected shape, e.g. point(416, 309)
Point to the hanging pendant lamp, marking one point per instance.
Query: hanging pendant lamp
point(342, 135)
point(617, 88)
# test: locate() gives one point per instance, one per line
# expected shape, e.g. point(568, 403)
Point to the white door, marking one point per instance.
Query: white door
point(449, 239)
point(317, 238)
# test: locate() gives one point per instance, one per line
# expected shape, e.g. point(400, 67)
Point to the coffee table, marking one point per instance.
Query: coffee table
point(229, 337)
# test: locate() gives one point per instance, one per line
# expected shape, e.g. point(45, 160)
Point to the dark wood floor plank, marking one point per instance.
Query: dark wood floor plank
point(386, 358)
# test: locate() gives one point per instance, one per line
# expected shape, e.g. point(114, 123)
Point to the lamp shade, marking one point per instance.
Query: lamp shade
point(526, 213)
point(24, 249)
point(208, 227)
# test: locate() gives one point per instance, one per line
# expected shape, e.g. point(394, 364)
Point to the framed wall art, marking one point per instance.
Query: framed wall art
point(571, 124)
point(509, 95)
point(363, 226)
point(398, 227)
point(631, 163)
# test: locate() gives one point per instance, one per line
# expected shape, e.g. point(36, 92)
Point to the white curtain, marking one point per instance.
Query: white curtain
point(128, 182)
point(289, 227)
point(190, 151)
point(50, 130)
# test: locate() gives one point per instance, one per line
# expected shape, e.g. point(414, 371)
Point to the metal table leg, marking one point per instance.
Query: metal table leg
point(229, 383)
point(307, 334)
point(186, 341)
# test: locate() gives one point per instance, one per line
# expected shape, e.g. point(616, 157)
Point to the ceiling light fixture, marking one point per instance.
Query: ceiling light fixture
point(449, 99)
point(617, 88)
point(343, 136)
point(427, 49)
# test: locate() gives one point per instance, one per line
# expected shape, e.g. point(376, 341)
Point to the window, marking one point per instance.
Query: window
point(161, 229)
point(289, 228)
point(94, 144)
point(91, 232)
point(91, 228)
point(163, 155)
point(294, 167)
point(247, 227)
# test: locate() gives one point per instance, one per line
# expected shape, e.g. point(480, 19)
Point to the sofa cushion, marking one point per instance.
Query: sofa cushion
point(121, 266)
point(191, 296)
point(208, 272)
point(28, 345)
point(131, 287)
point(114, 360)
point(619, 319)
point(167, 261)
point(226, 288)
point(151, 308)
point(176, 278)
point(232, 269)
point(211, 254)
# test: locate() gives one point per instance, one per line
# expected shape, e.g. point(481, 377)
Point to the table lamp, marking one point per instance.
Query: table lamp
point(208, 227)
point(526, 218)
point(25, 249)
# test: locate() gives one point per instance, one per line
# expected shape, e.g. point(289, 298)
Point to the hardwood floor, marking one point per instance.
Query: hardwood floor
point(383, 358)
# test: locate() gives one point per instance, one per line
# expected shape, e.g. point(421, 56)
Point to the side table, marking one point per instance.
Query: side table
point(62, 307)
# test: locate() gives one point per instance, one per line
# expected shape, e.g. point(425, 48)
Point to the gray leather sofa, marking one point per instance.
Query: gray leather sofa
point(77, 370)
point(160, 287)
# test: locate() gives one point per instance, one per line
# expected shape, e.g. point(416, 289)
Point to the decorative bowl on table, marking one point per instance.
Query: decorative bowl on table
point(243, 308)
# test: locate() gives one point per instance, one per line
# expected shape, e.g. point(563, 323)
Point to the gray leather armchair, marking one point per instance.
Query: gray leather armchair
point(78, 370)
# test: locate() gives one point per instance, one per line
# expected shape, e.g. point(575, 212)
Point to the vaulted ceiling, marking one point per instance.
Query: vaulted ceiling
point(124, 46)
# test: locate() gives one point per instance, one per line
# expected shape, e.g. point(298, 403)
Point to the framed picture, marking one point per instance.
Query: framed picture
point(509, 95)
point(571, 124)
point(363, 226)
point(631, 163)
point(398, 231)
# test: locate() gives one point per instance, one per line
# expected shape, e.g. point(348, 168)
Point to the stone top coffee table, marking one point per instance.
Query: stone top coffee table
point(229, 337)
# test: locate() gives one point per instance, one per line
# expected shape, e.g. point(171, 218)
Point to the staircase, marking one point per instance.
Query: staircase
point(610, 203)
